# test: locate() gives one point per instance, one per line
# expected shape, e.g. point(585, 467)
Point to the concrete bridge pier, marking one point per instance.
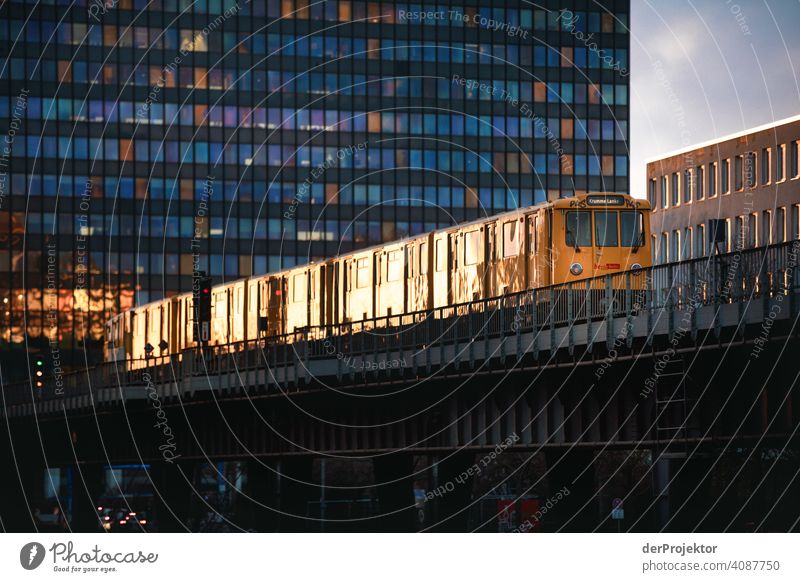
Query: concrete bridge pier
point(173, 493)
point(257, 505)
point(23, 488)
point(295, 490)
point(451, 492)
point(681, 489)
point(571, 472)
point(88, 485)
point(394, 488)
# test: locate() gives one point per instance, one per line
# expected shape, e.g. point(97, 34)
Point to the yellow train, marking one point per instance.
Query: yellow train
point(567, 240)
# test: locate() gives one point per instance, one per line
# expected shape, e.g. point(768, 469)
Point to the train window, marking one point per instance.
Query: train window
point(299, 283)
point(579, 229)
point(239, 300)
point(472, 247)
point(362, 273)
point(423, 259)
point(510, 239)
point(440, 255)
point(631, 229)
point(394, 268)
point(605, 228)
point(410, 261)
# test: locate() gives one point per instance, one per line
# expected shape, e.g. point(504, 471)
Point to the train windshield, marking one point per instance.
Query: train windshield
point(631, 229)
point(579, 229)
point(605, 228)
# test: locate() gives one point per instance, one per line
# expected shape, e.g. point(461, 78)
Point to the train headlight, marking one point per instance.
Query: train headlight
point(576, 269)
point(635, 267)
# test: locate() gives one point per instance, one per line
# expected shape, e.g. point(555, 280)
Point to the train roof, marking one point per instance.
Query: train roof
point(560, 203)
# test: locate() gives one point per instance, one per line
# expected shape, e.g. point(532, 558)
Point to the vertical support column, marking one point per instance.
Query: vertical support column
point(682, 486)
point(295, 491)
point(88, 484)
point(451, 505)
point(394, 488)
point(23, 475)
point(257, 504)
point(173, 491)
point(572, 472)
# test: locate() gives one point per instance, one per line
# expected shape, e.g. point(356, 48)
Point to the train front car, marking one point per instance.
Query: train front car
point(599, 234)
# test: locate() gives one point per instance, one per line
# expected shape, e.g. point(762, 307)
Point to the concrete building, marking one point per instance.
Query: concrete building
point(750, 179)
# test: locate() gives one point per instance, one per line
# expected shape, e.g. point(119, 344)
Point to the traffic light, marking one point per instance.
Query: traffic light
point(202, 309)
point(39, 372)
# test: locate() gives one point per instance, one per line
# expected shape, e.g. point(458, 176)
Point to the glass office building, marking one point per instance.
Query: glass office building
point(144, 140)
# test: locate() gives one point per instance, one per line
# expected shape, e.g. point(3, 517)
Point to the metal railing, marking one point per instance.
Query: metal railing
point(736, 277)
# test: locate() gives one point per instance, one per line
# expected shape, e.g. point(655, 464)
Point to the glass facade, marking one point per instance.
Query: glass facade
point(143, 141)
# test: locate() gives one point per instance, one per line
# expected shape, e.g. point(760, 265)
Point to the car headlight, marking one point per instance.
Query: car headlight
point(576, 269)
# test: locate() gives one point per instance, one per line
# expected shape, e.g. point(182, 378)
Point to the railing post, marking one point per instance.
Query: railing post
point(589, 315)
point(535, 323)
point(570, 319)
point(628, 310)
point(552, 321)
point(609, 312)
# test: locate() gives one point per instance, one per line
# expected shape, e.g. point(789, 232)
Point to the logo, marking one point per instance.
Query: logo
point(31, 555)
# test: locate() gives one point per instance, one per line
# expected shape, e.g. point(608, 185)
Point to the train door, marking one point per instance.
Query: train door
point(440, 275)
point(237, 312)
point(219, 322)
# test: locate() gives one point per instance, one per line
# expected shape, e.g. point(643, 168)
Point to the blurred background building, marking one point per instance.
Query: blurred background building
point(146, 140)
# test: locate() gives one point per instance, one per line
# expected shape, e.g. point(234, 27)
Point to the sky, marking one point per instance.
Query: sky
point(703, 69)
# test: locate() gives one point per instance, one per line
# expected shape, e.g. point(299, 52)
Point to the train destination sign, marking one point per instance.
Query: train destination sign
point(604, 200)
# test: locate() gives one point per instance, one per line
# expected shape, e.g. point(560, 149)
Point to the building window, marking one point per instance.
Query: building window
point(794, 162)
point(766, 228)
point(700, 241)
point(663, 191)
point(651, 193)
point(674, 197)
point(674, 249)
point(686, 247)
point(779, 163)
point(766, 155)
point(738, 170)
point(712, 179)
point(752, 229)
point(653, 248)
point(725, 176)
point(662, 249)
point(795, 233)
point(780, 225)
point(687, 186)
point(699, 183)
point(727, 246)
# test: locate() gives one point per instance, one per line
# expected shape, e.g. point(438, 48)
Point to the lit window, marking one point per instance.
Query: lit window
point(510, 239)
